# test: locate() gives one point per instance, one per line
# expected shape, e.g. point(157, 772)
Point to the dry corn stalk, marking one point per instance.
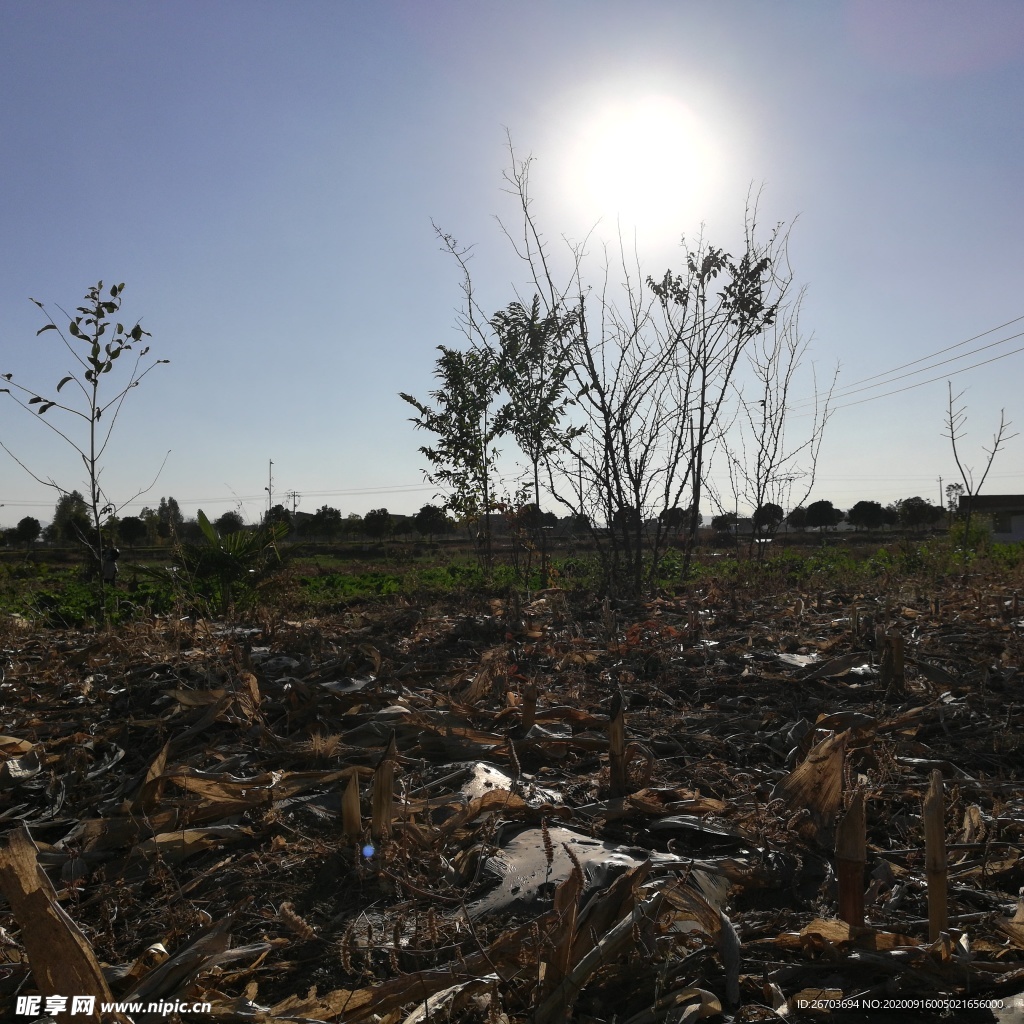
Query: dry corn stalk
point(851, 838)
point(893, 677)
point(384, 792)
point(351, 823)
point(935, 856)
point(62, 959)
point(559, 963)
point(617, 746)
point(529, 705)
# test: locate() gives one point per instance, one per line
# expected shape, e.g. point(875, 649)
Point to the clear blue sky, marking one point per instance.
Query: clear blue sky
point(263, 176)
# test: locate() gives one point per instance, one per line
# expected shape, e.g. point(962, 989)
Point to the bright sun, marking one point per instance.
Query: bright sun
point(648, 162)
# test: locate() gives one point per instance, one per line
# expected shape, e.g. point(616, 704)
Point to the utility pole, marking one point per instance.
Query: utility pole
point(270, 488)
point(942, 500)
point(294, 495)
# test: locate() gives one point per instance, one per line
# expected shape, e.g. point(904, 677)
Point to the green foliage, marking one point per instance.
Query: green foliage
point(463, 457)
point(60, 598)
point(70, 518)
point(973, 536)
point(823, 514)
point(534, 363)
point(797, 518)
point(337, 586)
point(26, 532)
point(768, 518)
point(223, 573)
point(131, 530)
point(723, 523)
point(1007, 556)
point(533, 366)
point(229, 522)
point(431, 520)
point(326, 522)
point(916, 512)
point(377, 523)
point(867, 514)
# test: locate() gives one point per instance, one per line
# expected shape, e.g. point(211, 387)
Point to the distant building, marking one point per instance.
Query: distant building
point(1004, 511)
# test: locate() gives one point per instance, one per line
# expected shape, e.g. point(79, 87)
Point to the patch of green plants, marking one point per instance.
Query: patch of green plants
point(222, 574)
point(1007, 556)
point(335, 586)
point(64, 598)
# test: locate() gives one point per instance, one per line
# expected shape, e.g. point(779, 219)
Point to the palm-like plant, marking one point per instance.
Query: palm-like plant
point(224, 571)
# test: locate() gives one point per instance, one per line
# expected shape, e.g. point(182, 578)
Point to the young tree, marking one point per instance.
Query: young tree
point(768, 518)
point(867, 514)
point(70, 517)
point(651, 368)
point(797, 518)
point(463, 456)
point(823, 514)
point(763, 460)
point(955, 420)
point(326, 522)
point(133, 529)
point(652, 374)
point(430, 520)
point(716, 323)
point(533, 368)
point(229, 522)
point(916, 512)
point(95, 342)
point(27, 532)
point(377, 523)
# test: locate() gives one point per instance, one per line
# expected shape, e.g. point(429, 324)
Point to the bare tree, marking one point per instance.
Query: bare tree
point(714, 329)
point(956, 418)
point(653, 364)
point(763, 461)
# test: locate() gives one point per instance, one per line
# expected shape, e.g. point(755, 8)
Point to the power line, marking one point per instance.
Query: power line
point(931, 380)
point(942, 351)
point(910, 387)
point(846, 392)
point(856, 386)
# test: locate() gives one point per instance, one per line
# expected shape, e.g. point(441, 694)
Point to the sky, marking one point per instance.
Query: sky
point(265, 178)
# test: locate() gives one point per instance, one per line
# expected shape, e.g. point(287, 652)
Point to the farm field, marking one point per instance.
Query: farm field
point(540, 540)
point(450, 801)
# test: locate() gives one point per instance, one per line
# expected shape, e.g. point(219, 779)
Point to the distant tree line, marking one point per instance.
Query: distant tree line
point(165, 522)
point(908, 513)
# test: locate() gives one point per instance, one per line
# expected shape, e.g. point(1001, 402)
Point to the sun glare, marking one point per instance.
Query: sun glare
point(647, 163)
